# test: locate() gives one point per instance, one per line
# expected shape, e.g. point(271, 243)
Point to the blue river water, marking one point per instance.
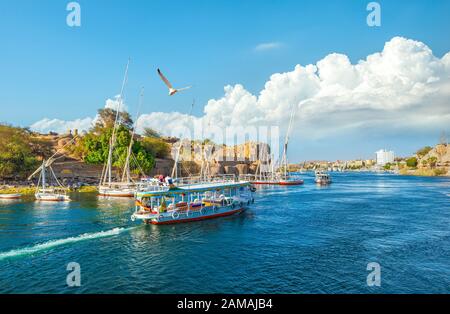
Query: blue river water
point(302, 239)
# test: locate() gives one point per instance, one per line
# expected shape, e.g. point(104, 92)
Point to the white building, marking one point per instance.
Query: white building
point(383, 157)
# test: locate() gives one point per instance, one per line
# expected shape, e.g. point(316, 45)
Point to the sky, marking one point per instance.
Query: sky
point(355, 88)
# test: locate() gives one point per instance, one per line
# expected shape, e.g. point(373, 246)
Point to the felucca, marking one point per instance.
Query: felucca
point(126, 187)
point(49, 188)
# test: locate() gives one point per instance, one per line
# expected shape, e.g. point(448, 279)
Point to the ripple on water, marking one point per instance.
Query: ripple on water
point(303, 239)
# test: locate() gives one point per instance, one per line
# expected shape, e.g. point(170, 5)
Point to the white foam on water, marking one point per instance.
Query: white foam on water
point(54, 243)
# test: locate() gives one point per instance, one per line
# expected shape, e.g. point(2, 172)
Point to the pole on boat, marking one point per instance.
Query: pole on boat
point(286, 141)
point(126, 168)
point(43, 174)
point(113, 136)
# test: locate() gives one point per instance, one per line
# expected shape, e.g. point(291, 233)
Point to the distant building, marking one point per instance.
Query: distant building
point(383, 157)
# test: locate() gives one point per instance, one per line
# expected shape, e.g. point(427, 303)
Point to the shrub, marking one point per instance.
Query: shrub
point(440, 172)
point(156, 146)
point(16, 152)
point(411, 162)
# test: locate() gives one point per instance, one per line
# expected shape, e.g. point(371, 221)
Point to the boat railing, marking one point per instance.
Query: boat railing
point(152, 186)
point(183, 181)
point(260, 177)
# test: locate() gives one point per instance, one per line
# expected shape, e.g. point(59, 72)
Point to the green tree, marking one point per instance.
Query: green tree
point(107, 118)
point(411, 162)
point(156, 146)
point(94, 148)
point(16, 155)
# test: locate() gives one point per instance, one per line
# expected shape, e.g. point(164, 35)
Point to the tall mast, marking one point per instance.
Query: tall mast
point(113, 136)
point(175, 165)
point(43, 174)
point(126, 168)
point(177, 156)
point(286, 141)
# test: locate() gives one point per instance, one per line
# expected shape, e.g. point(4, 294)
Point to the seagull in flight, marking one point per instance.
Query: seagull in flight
point(172, 91)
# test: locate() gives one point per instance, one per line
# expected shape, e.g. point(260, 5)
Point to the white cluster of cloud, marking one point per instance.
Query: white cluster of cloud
point(63, 126)
point(403, 87)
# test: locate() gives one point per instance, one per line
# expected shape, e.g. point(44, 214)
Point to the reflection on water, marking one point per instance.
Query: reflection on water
point(307, 238)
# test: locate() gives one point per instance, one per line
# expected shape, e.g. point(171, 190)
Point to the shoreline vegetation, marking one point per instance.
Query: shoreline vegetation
point(27, 190)
point(80, 164)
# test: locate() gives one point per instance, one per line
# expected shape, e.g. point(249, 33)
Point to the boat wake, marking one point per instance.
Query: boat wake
point(54, 243)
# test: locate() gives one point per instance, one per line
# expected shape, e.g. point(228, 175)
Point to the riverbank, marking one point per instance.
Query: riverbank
point(27, 190)
point(424, 172)
point(24, 190)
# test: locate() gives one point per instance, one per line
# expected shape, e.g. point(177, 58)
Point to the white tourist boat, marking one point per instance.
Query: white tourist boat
point(192, 202)
point(322, 178)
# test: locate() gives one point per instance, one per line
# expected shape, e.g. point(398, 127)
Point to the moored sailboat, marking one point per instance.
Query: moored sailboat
point(45, 191)
point(49, 188)
point(265, 172)
point(126, 187)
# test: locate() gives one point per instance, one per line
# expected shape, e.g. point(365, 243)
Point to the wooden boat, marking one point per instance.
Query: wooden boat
point(207, 200)
point(49, 189)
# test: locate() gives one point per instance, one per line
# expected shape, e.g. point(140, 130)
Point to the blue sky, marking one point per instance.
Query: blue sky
point(49, 70)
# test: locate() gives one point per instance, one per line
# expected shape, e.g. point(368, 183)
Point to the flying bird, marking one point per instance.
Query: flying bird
point(172, 90)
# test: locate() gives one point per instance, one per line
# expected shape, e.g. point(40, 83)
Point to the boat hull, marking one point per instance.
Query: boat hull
point(52, 198)
point(185, 220)
point(293, 182)
point(10, 196)
point(116, 192)
point(176, 217)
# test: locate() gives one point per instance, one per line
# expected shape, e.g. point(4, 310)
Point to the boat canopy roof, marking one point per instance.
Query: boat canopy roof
point(193, 188)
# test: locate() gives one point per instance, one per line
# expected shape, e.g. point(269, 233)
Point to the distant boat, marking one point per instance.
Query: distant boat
point(13, 196)
point(322, 178)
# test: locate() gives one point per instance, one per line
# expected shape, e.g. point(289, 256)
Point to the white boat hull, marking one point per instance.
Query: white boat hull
point(50, 197)
point(173, 217)
point(114, 192)
point(10, 196)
